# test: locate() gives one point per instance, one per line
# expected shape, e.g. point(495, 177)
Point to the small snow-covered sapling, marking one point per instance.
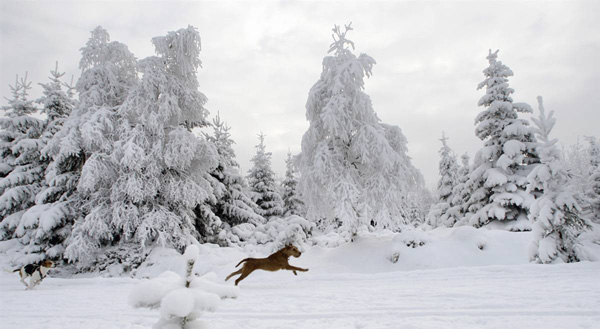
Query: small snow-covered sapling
point(181, 301)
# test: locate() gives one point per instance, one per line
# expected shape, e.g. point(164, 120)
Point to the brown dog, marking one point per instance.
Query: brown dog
point(275, 262)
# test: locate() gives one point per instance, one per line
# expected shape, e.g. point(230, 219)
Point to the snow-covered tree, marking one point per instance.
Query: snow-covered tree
point(261, 179)
point(108, 71)
point(231, 203)
point(555, 215)
point(20, 169)
point(459, 196)
point(353, 169)
point(146, 188)
point(44, 230)
point(498, 179)
point(292, 204)
point(578, 162)
point(448, 169)
point(593, 151)
point(591, 185)
point(593, 195)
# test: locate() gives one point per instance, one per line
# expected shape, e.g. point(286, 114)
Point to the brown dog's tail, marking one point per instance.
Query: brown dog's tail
point(243, 260)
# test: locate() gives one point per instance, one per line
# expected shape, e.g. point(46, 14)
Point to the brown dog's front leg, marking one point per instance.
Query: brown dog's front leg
point(294, 268)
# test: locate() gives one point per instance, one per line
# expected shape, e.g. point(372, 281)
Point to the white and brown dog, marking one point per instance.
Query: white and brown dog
point(35, 272)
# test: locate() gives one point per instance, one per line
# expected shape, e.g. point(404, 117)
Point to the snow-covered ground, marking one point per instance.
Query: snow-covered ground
point(449, 282)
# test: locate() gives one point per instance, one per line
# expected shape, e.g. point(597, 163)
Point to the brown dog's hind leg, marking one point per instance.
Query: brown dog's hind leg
point(245, 272)
point(234, 273)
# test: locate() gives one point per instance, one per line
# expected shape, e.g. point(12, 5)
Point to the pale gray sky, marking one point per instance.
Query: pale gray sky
point(260, 59)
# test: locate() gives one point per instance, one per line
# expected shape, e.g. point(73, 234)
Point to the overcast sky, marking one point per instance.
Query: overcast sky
point(260, 59)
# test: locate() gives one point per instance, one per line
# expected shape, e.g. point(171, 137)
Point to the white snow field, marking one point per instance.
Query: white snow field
point(449, 282)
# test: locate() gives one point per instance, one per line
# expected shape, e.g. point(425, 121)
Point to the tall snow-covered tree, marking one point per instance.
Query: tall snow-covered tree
point(147, 188)
point(555, 215)
point(292, 204)
point(261, 179)
point(353, 169)
point(107, 73)
point(231, 204)
point(498, 180)
point(20, 168)
point(44, 230)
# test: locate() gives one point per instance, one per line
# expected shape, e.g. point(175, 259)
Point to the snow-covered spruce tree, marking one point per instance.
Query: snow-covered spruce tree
point(292, 204)
point(20, 168)
point(146, 190)
point(448, 169)
point(231, 203)
point(108, 71)
point(555, 215)
point(353, 169)
point(43, 229)
point(261, 179)
point(460, 196)
point(498, 179)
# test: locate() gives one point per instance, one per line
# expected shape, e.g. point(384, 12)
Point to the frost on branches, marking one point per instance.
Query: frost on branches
point(261, 179)
point(353, 169)
point(147, 186)
point(182, 300)
point(231, 202)
point(292, 204)
point(498, 180)
point(45, 229)
point(21, 173)
point(555, 215)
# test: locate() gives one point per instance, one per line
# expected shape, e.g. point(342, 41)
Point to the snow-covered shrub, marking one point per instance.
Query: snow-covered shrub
point(329, 240)
point(277, 233)
point(181, 300)
point(412, 239)
point(115, 260)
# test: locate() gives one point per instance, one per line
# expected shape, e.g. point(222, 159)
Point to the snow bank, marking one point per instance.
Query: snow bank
point(369, 253)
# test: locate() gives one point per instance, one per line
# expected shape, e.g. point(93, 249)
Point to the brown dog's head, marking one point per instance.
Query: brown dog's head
point(291, 250)
point(47, 263)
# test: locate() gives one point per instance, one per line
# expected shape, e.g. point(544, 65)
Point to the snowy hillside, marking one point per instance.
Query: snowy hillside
point(458, 278)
